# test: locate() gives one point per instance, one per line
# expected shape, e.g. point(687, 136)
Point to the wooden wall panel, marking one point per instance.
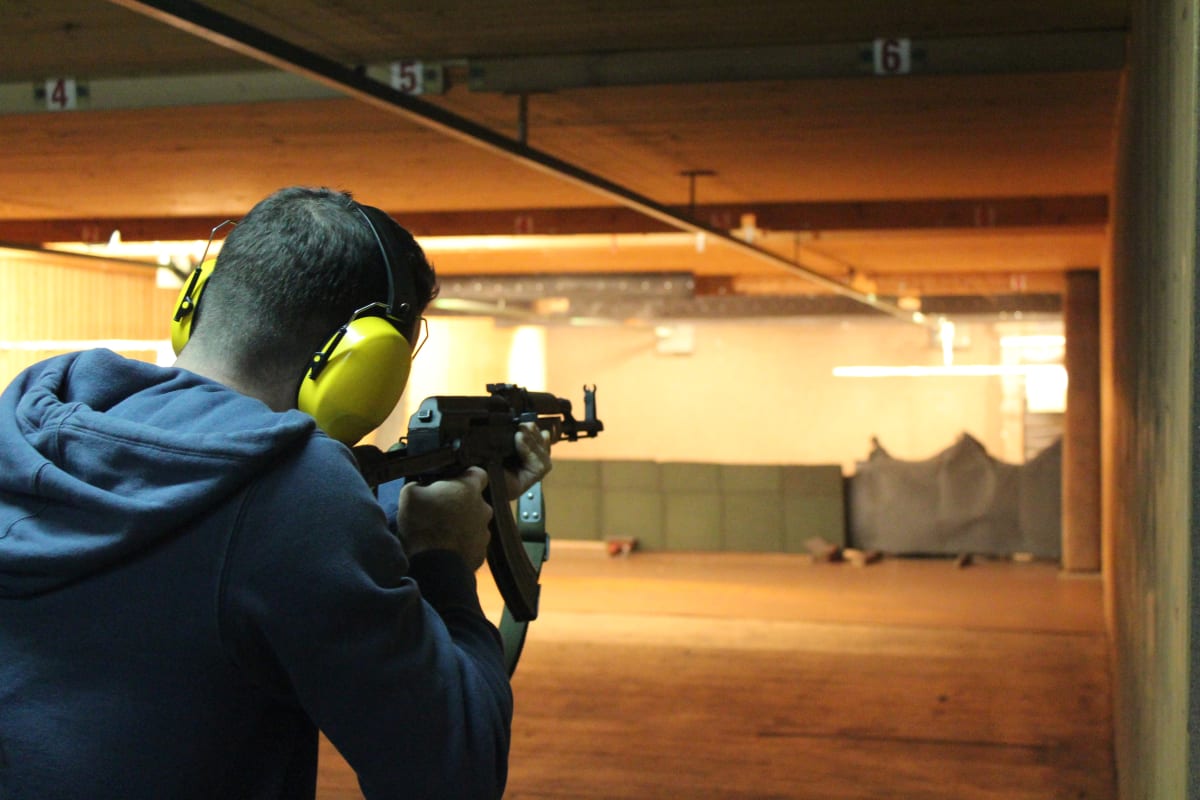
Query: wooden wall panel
point(68, 299)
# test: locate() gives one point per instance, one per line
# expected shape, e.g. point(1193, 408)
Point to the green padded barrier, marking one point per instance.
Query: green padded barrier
point(633, 514)
point(751, 477)
point(573, 472)
point(573, 500)
point(697, 506)
point(573, 512)
point(693, 520)
point(752, 521)
point(679, 476)
point(629, 475)
point(813, 505)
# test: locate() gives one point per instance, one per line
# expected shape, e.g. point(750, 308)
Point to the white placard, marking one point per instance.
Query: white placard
point(61, 94)
point(893, 56)
point(408, 76)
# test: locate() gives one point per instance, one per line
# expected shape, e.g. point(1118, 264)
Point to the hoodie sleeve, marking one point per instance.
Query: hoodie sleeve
point(398, 666)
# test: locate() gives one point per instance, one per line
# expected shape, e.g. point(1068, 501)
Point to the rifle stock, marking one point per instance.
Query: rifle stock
point(448, 434)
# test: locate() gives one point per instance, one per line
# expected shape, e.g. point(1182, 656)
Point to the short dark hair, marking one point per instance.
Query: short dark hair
point(295, 268)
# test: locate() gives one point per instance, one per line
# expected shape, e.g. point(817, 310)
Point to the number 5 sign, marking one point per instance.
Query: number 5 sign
point(408, 77)
point(893, 56)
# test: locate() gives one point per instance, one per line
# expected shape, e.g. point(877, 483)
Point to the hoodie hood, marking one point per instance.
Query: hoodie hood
point(102, 456)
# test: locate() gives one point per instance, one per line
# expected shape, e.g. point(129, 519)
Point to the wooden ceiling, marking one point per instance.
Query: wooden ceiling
point(985, 171)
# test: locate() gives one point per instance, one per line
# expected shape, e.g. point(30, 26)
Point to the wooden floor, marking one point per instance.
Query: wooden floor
point(761, 676)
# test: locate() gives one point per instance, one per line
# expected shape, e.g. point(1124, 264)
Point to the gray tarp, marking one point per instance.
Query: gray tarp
point(960, 501)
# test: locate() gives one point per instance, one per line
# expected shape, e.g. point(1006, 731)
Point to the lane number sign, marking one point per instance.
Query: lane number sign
point(61, 94)
point(408, 77)
point(418, 77)
point(893, 56)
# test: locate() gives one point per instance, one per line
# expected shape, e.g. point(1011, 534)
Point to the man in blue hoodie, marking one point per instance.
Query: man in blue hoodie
point(194, 578)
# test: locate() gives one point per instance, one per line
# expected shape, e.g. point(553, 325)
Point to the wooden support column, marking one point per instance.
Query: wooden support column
point(1081, 429)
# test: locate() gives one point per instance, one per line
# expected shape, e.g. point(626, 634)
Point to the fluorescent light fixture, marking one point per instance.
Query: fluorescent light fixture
point(83, 344)
point(584, 241)
point(955, 370)
point(164, 355)
point(502, 310)
point(1037, 340)
point(161, 253)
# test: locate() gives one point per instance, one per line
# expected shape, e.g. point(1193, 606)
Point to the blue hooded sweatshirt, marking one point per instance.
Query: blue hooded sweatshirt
point(191, 585)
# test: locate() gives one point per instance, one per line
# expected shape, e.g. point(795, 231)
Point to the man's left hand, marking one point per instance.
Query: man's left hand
point(533, 446)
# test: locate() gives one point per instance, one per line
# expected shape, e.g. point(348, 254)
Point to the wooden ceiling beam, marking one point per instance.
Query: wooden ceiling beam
point(945, 214)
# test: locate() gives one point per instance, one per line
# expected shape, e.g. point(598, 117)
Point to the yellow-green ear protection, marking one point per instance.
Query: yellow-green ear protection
point(356, 379)
point(185, 304)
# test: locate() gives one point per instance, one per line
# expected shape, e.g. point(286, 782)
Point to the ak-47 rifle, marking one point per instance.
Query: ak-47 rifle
point(447, 435)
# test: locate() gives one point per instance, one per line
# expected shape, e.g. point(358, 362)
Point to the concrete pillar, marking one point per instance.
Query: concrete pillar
point(1081, 428)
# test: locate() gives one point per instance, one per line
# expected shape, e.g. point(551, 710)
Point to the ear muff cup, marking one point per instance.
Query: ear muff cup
point(361, 380)
point(186, 302)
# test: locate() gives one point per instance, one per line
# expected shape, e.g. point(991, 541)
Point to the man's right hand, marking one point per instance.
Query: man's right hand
point(447, 515)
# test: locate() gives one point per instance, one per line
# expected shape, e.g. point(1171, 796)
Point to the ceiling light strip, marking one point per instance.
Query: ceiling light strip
point(953, 370)
point(56, 254)
point(252, 42)
point(82, 344)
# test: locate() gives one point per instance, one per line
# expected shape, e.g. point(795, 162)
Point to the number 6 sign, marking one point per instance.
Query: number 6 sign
point(893, 56)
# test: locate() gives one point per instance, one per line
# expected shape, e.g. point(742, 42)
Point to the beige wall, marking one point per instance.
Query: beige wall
point(764, 393)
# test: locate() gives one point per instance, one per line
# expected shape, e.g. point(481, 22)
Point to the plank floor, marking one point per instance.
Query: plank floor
point(761, 676)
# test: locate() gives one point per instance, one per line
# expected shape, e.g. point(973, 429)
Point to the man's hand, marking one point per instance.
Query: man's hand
point(452, 515)
point(447, 515)
point(533, 446)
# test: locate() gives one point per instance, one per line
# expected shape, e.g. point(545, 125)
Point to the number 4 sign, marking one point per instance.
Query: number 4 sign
point(61, 94)
point(893, 56)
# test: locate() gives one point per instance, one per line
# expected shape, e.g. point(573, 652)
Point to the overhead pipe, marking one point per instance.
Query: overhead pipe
point(257, 44)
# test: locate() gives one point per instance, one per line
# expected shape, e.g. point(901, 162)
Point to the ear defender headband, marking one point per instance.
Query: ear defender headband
point(352, 383)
